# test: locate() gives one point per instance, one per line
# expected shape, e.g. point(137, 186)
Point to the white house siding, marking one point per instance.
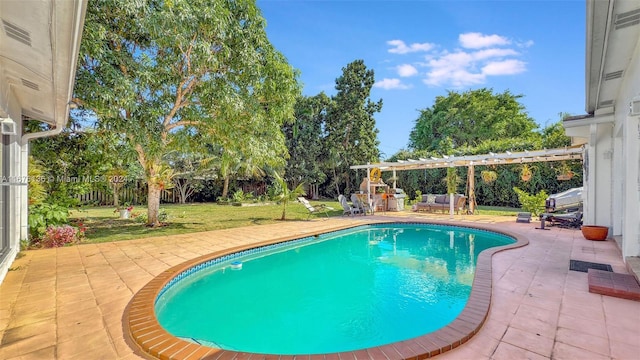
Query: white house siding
point(630, 144)
point(612, 134)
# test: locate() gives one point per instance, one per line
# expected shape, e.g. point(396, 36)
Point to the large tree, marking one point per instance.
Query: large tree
point(148, 68)
point(469, 118)
point(304, 140)
point(350, 126)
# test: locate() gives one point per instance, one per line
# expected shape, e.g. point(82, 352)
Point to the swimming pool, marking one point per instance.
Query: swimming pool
point(347, 290)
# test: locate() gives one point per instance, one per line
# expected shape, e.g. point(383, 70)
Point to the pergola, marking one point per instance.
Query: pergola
point(506, 158)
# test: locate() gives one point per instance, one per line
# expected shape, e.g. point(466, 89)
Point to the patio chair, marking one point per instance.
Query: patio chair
point(360, 205)
point(567, 220)
point(322, 208)
point(347, 209)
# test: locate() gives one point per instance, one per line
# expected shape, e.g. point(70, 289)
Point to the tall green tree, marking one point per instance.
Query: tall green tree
point(553, 136)
point(469, 118)
point(350, 125)
point(148, 68)
point(304, 140)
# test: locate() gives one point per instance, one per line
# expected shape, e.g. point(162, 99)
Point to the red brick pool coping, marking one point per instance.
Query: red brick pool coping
point(144, 331)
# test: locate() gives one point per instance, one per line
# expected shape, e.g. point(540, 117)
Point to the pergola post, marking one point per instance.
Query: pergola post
point(369, 187)
point(472, 188)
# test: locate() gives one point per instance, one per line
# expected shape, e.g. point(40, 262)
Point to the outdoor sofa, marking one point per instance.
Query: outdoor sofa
point(433, 202)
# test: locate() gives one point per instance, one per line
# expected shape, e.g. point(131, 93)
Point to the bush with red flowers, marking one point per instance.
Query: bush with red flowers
point(57, 236)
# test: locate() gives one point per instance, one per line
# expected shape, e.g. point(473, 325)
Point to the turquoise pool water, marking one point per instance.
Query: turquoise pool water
point(346, 290)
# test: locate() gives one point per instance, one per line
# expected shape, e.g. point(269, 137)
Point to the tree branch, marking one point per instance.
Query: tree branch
point(181, 123)
point(184, 88)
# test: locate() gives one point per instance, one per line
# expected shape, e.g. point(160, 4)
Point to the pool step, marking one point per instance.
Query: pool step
point(613, 284)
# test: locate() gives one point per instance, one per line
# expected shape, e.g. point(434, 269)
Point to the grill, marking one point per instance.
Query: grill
point(396, 200)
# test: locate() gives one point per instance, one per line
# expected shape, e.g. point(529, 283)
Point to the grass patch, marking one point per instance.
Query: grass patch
point(497, 210)
point(104, 225)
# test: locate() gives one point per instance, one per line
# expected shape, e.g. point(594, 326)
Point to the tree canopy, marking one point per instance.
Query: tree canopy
point(351, 133)
point(470, 118)
point(305, 140)
point(148, 68)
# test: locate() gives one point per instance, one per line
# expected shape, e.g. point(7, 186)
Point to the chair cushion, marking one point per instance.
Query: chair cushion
point(442, 199)
point(431, 199)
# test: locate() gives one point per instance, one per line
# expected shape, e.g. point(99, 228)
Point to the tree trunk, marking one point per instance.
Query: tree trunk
point(335, 176)
point(153, 204)
point(225, 188)
point(116, 200)
point(347, 189)
point(183, 190)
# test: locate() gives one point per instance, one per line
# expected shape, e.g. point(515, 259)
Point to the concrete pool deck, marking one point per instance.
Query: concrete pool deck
point(68, 303)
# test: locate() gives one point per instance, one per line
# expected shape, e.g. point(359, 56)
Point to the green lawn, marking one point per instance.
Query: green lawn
point(497, 210)
point(103, 224)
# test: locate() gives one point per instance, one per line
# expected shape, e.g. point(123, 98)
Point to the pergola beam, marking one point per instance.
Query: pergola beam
point(568, 153)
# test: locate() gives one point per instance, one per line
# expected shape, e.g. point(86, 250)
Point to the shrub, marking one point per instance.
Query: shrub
point(42, 216)
point(238, 196)
point(57, 236)
point(162, 216)
point(531, 203)
point(418, 197)
point(142, 218)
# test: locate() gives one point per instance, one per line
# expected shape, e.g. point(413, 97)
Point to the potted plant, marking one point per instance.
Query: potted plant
point(564, 172)
point(452, 181)
point(489, 176)
point(525, 172)
point(594, 232)
point(125, 212)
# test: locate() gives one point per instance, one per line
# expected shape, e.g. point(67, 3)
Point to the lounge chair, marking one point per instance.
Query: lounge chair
point(565, 220)
point(348, 209)
point(360, 205)
point(322, 208)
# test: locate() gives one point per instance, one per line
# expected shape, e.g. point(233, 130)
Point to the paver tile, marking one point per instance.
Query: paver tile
point(582, 340)
point(529, 341)
point(562, 351)
point(506, 351)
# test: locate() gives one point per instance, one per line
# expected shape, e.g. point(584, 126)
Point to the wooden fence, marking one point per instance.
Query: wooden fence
point(133, 196)
point(136, 194)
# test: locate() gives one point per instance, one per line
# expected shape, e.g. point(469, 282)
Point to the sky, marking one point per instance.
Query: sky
point(423, 49)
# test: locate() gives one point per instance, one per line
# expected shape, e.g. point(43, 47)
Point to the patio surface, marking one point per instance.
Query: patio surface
point(68, 303)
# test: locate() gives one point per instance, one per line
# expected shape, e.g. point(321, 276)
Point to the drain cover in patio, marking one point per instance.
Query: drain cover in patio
point(584, 266)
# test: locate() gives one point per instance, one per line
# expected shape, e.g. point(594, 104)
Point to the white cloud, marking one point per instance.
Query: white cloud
point(493, 53)
point(478, 57)
point(399, 47)
point(459, 77)
point(525, 44)
point(406, 70)
point(506, 67)
point(476, 40)
point(389, 84)
point(461, 68)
